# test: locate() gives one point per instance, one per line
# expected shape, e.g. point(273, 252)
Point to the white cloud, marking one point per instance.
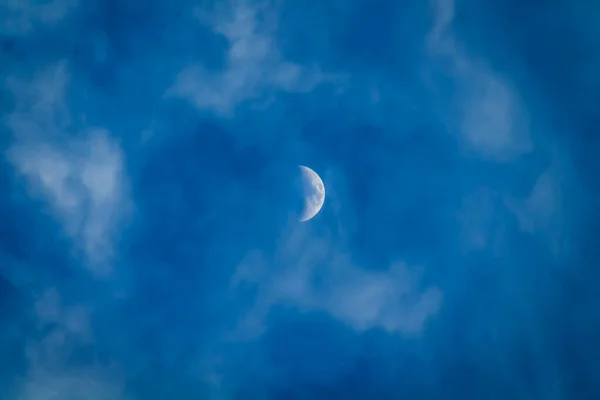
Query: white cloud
point(312, 273)
point(49, 375)
point(20, 17)
point(254, 66)
point(494, 122)
point(80, 174)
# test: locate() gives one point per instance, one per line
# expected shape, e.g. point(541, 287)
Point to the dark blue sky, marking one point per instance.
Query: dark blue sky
point(149, 240)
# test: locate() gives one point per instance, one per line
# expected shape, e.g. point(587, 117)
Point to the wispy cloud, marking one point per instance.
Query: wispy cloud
point(482, 221)
point(493, 120)
point(535, 211)
point(313, 273)
point(20, 17)
point(254, 64)
point(51, 374)
point(544, 210)
point(79, 172)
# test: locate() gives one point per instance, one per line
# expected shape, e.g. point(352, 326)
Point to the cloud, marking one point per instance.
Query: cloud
point(536, 210)
point(60, 332)
point(79, 173)
point(254, 65)
point(312, 273)
point(388, 300)
point(21, 17)
point(482, 221)
point(494, 123)
point(493, 120)
point(543, 212)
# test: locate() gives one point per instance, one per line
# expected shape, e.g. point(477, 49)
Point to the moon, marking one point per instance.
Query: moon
point(314, 193)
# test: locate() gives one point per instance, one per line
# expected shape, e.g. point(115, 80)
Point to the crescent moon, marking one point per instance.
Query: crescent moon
point(314, 193)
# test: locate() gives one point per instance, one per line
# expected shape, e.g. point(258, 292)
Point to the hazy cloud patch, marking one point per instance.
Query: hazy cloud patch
point(254, 63)
point(493, 119)
point(63, 331)
point(21, 17)
point(312, 273)
point(80, 172)
point(545, 211)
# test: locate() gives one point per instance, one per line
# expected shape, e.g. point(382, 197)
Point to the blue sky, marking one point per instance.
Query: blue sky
point(150, 243)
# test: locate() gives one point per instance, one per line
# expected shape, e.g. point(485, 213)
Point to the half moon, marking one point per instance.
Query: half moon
point(314, 193)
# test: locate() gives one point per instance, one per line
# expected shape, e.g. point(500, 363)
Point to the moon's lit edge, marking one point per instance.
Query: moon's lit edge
point(304, 215)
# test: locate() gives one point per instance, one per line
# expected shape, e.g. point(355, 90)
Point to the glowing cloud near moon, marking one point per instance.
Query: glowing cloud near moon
point(314, 193)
